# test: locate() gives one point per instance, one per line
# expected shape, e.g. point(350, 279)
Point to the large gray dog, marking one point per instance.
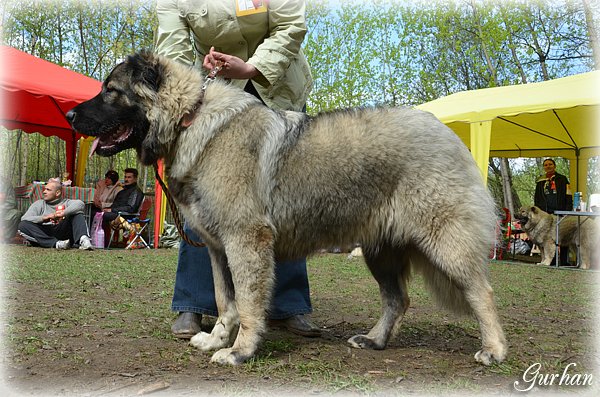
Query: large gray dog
point(257, 184)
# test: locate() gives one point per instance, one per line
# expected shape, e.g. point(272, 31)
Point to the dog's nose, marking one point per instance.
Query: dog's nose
point(70, 116)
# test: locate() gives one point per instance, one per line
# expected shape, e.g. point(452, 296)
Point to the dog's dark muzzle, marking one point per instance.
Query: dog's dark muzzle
point(522, 218)
point(71, 118)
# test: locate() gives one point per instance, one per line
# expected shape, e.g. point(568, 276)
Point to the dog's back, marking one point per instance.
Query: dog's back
point(388, 166)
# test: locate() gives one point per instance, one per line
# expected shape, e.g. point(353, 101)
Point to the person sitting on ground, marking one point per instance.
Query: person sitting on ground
point(10, 215)
point(54, 221)
point(106, 191)
point(127, 200)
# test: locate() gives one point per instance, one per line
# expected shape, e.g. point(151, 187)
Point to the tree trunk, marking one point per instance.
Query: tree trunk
point(511, 198)
point(58, 164)
point(506, 182)
point(37, 158)
point(592, 33)
point(25, 156)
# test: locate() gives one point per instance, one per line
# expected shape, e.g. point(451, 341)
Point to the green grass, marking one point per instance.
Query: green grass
point(66, 307)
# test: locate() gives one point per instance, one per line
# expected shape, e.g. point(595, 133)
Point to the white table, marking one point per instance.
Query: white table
point(560, 216)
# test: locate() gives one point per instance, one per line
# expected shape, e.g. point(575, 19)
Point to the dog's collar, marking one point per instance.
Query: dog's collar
point(189, 117)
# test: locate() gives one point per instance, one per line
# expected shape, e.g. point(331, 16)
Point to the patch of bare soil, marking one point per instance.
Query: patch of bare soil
point(108, 362)
point(131, 352)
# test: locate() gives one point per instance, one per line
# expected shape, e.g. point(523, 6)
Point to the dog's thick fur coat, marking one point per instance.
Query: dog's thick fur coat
point(540, 226)
point(257, 184)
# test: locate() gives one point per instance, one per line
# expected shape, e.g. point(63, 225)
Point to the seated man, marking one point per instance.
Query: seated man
point(127, 200)
point(54, 221)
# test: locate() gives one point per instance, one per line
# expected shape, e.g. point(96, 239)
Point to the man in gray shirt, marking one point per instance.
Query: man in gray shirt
point(55, 222)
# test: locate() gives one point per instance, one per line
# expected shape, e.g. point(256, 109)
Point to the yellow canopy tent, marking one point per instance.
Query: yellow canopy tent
point(556, 118)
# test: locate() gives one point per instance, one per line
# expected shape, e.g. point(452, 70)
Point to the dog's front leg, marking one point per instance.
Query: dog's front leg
point(251, 263)
point(547, 252)
point(228, 319)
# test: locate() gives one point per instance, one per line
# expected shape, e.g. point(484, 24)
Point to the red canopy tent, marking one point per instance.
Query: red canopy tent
point(36, 95)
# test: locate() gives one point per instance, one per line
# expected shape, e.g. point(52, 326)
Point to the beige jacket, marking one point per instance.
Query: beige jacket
point(269, 40)
point(105, 195)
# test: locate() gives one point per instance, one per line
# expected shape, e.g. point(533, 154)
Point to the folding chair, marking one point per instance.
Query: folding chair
point(139, 221)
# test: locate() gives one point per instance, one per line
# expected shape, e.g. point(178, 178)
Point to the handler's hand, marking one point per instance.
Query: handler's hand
point(232, 68)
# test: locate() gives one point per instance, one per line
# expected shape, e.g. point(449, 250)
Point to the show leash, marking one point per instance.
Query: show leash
point(212, 75)
point(178, 223)
point(175, 211)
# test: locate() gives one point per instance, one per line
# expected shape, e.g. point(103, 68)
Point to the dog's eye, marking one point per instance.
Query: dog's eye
point(111, 90)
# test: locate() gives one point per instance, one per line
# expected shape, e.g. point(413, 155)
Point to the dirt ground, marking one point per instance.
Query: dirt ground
point(50, 348)
point(112, 364)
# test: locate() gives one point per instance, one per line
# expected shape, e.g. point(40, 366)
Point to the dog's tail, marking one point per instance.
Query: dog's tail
point(445, 291)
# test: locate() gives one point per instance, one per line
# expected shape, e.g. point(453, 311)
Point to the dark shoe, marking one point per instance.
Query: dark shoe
point(299, 325)
point(186, 325)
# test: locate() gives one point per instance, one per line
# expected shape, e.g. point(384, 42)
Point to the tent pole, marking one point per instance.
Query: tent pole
point(480, 145)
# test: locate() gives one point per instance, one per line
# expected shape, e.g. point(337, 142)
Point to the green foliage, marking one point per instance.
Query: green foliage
point(88, 37)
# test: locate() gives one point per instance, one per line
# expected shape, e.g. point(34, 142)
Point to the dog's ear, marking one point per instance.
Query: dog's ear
point(534, 209)
point(146, 69)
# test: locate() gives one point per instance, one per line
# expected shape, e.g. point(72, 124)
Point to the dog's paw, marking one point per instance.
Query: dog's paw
point(228, 356)
point(206, 342)
point(488, 357)
point(364, 342)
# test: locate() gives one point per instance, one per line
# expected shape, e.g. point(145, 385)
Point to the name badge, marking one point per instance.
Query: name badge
point(249, 7)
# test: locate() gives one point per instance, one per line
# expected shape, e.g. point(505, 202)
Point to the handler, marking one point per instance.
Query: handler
point(258, 43)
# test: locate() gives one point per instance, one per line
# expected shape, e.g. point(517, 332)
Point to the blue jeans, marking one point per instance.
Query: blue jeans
point(195, 291)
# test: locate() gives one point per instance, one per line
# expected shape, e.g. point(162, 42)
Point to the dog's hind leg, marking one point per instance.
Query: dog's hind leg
point(252, 264)
point(481, 298)
point(228, 318)
point(391, 269)
point(457, 276)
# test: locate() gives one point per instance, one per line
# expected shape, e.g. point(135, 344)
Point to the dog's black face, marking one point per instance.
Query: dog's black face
point(117, 115)
point(523, 215)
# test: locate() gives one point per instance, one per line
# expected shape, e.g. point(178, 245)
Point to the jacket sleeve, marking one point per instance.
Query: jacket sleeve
point(109, 197)
point(35, 212)
point(567, 198)
point(132, 204)
point(136, 200)
point(173, 36)
point(288, 28)
point(538, 198)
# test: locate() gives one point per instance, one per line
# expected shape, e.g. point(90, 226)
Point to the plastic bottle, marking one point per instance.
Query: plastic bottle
point(577, 201)
point(99, 238)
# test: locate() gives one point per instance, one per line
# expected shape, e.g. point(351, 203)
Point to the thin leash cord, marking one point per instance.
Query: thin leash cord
point(175, 212)
point(209, 79)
